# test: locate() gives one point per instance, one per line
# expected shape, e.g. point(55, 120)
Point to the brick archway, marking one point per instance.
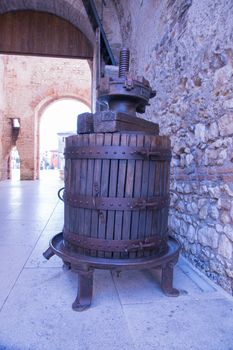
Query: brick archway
point(44, 80)
point(39, 111)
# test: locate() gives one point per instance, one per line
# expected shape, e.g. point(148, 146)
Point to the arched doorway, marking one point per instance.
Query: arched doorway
point(58, 28)
point(13, 165)
point(58, 120)
point(39, 30)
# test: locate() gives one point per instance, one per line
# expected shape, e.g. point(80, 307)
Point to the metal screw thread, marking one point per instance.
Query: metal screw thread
point(124, 63)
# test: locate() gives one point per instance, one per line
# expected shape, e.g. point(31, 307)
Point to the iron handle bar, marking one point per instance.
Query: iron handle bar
point(146, 153)
point(59, 194)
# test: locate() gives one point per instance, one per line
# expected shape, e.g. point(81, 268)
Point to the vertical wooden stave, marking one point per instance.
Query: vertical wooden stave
point(127, 232)
point(144, 191)
point(67, 186)
point(110, 233)
point(137, 191)
point(99, 139)
point(166, 188)
point(79, 188)
point(104, 190)
point(156, 213)
point(120, 193)
point(89, 190)
point(97, 184)
point(151, 141)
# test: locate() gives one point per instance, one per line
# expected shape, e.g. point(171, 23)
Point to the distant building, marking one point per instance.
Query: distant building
point(61, 147)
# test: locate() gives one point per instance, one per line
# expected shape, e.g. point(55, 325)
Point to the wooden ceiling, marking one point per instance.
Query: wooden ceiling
point(42, 34)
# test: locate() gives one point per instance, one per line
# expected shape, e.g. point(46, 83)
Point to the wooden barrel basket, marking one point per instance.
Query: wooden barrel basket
point(117, 194)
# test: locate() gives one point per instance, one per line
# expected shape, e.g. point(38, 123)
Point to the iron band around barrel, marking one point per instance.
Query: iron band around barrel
point(106, 245)
point(116, 203)
point(116, 152)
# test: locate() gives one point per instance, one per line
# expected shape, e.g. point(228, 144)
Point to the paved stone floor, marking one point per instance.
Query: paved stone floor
point(128, 312)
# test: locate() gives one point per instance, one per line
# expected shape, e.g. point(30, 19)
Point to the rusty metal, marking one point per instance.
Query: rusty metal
point(114, 203)
point(124, 63)
point(116, 152)
point(59, 194)
point(85, 265)
point(116, 193)
point(158, 245)
point(125, 94)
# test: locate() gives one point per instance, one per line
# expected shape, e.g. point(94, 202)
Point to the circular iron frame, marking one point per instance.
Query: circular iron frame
point(84, 265)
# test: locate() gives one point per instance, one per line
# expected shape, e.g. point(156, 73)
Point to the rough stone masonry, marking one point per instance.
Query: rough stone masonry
point(185, 51)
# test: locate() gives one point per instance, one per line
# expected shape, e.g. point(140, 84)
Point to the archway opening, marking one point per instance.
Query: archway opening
point(58, 121)
point(44, 55)
point(13, 166)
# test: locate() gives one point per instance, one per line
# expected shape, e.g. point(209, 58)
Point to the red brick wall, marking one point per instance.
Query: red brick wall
point(30, 84)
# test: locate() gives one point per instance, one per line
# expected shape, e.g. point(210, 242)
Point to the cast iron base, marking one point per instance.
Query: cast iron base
point(85, 265)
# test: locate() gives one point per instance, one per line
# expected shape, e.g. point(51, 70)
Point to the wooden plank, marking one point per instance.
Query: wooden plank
point(76, 178)
point(97, 182)
point(42, 34)
point(150, 213)
point(112, 193)
point(144, 191)
point(128, 233)
point(104, 189)
point(85, 123)
point(166, 185)
point(121, 175)
point(137, 190)
point(158, 179)
point(67, 186)
point(99, 139)
point(110, 121)
point(74, 174)
point(89, 189)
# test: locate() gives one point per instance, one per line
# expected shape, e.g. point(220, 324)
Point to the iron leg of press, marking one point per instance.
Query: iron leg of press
point(167, 280)
point(85, 290)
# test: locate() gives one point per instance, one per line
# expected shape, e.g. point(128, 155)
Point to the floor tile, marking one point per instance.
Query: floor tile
point(178, 324)
point(40, 309)
point(12, 261)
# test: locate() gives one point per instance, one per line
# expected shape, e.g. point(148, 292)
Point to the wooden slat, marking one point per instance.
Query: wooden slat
point(68, 180)
point(127, 233)
point(90, 141)
point(101, 219)
point(112, 192)
point(42, 34)
point(90, 190)
point(120, 193)
point(104, 190)
point(76, 178)
point(137, 190)
point(144, 190)
point(150, 192)
point(109, 121)
point(158, 191)
point(99, 139)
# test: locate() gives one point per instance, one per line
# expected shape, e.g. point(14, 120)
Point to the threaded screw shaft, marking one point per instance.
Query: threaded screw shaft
point(124, 62)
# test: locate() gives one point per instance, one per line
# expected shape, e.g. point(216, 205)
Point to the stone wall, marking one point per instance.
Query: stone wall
point(184, 48)
point(30, 84)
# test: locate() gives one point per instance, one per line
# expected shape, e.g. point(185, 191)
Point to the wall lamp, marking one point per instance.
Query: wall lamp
point(15, 123)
